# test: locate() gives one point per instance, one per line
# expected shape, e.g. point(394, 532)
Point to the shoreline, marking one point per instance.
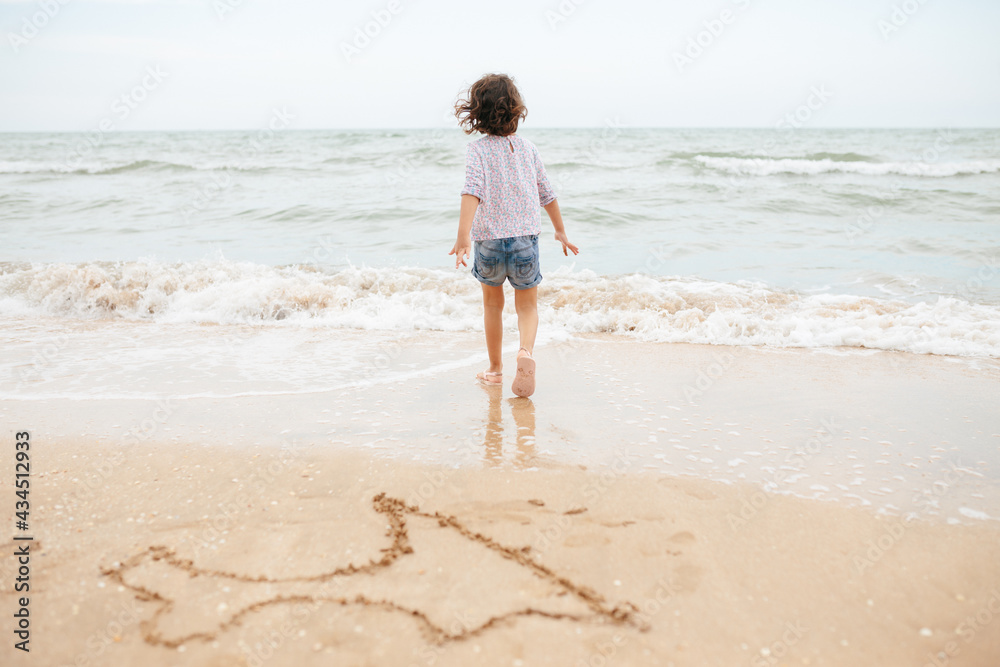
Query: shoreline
point(651, 504)
point(900, 433)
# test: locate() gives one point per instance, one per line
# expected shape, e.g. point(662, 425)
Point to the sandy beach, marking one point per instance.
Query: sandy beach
point(435, 522)
point(251, 259)
point(224, 563)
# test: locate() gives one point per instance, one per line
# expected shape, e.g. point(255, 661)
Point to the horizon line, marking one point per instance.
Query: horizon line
point(552, 127)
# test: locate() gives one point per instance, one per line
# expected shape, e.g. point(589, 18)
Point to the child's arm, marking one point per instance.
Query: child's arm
point(552, 208)
point(463, 246)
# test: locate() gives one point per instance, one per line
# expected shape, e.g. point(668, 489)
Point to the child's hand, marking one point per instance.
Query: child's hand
point(561, 237)
point(461, 250)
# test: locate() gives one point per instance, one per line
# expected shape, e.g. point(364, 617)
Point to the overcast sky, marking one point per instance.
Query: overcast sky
point(219, 64)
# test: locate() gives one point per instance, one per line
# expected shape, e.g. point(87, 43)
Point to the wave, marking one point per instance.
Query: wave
point(753, 166)
point(646, 307)
point(841, 157)
point(834, 157)
point(595, 163)
point(69, 167)
point(140, 165)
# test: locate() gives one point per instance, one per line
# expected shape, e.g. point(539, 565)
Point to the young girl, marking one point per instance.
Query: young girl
point(505, 190)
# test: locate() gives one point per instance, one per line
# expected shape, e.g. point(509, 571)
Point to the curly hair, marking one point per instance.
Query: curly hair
point(492, 105)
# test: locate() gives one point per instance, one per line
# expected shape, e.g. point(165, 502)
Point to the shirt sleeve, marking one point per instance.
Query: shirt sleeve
point(546, 195)
point(475, 181)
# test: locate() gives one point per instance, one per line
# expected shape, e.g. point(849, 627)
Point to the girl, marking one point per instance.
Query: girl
point(505, 189)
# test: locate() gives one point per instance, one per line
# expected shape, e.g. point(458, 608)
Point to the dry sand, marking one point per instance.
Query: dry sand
point(187, 558)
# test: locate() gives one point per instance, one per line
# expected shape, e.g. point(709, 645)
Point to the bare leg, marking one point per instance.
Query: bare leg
point(526, 304)
point(493, 323)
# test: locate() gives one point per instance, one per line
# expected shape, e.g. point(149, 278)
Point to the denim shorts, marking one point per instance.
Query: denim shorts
point(514, 259)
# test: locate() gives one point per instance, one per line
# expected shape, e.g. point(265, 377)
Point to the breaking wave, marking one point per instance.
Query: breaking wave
point(747, 166)
point(665, 309)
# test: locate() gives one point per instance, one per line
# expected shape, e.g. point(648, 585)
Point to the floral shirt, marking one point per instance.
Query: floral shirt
point(508, 177)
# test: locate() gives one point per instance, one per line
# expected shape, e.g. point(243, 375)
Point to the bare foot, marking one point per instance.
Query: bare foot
point(490, 377)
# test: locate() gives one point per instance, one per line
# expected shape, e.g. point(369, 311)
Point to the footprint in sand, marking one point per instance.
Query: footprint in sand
point(687, 577)
point(684, 578)
point(683, 537)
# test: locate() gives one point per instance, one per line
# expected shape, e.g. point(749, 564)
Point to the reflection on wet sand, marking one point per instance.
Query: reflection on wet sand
point(523, 411)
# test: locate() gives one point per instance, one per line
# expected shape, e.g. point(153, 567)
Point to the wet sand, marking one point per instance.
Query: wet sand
point(434, 522)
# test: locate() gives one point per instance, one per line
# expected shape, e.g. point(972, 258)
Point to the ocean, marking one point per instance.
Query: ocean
point(882, 239)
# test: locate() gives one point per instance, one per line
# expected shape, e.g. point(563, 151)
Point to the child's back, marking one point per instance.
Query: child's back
point(505, 189)
point(506, 174)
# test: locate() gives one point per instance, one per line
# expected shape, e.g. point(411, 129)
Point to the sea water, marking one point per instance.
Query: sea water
point(883, 239)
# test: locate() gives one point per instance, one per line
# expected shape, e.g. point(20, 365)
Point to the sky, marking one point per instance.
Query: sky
point(73, 65)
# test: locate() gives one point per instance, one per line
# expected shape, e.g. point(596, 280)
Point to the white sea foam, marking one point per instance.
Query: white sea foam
point(752, 166)
point(650, 308)
point(973, 514)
